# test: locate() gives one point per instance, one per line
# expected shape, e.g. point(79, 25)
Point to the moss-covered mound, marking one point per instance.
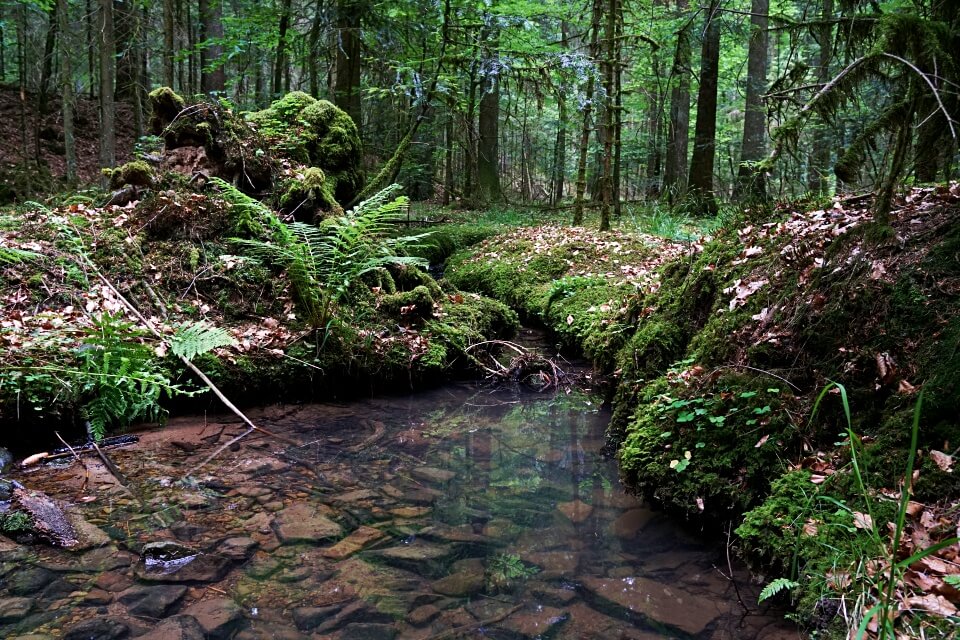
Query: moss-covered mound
point(722, 355)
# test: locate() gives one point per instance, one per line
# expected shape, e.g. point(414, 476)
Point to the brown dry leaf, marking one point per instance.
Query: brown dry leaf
point(817, 478)
point(862, 520)
point(942, 460)
point(920, 580)
point(904, 388)
point(810, 527)
point(886, 367)
point(569, 320)
point(932, 564)
point(913, 508)
point(932, 603)
point(838, 581)
point(761, 441)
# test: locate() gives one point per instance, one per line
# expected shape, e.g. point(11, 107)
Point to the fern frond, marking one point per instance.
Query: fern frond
point(197, 338)
point(775, 587)
point(9, 255)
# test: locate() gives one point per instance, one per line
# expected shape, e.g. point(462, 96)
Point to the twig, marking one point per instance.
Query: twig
point(769, 373)
point(933, 89)
point(75, 454)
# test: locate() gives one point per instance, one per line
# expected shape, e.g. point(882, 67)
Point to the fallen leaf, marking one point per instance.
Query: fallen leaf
point(761, 441)
point(862, 520)
point(932, 603)
point(942, 460)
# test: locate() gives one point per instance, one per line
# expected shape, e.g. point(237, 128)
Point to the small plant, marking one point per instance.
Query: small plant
point(776, 586)
point(505, 569)
point(15, 522)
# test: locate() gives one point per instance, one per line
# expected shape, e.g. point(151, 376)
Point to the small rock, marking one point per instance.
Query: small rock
point(295, 574)
point(237, 549)
point(410, 512)
point(433, 474)
point(646, 598)
point(29, 581)
point(273, 506)
point(353, 543)
point(114, 582)
point(175, 628)
point(535, 622)
point(152, 601)
point(368, 631)
point(358, 495)
point(460, 585)
point(107, 558)
point(420, 557)
point(219, 617)
point(97, 597)
point(629, 523)
point(13, 609)
point(353, 612)
point(88, 536)
point(307, 618)
point(302, 523)
point(263, 568)
point(101, 628)
point(576, 511)
point(422, 615)
point(6, 459)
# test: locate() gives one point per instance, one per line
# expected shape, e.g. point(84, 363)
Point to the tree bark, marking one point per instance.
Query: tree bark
point(169, 27)
point(46, 69)
point(66, 90)
point(678, 131)
point(212, 76)
point(559, 151)
point(705, 131)
point(750, 180)
point(609, 68)
point(108, 136)
point(488, 144)
point(313, 68)
point(346, 89)
point(596, 17)
point(820, 154)
point(280, 63)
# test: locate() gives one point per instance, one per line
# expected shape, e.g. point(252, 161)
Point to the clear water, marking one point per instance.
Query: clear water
point(467, 511)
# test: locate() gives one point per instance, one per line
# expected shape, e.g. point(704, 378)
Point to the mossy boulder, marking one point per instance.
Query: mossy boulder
point(309, 195)
point(165, 106)
point(137, 174)
point(316, 133)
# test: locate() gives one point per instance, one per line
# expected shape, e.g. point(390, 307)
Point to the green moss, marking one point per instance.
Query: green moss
point(416, 304)
point(165, 105)
point(309, 197)
point(137, 173)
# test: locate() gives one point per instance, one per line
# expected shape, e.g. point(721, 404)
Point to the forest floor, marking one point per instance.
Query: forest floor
point(20, 126)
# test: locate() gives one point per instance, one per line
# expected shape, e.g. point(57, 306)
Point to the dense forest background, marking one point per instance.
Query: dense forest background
point(561, 103)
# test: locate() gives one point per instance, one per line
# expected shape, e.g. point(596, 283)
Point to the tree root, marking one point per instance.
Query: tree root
point(525, 366)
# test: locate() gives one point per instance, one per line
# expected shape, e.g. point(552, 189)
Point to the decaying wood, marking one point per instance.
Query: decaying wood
point(525, 366)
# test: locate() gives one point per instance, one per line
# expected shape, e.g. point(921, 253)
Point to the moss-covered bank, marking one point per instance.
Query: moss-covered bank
point(721, 352)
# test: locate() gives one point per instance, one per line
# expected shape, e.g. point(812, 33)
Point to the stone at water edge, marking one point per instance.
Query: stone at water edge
point(307, 618)
point(237, 548)
point(303, 523)
point(218, 617)
point(576, 511)
point(630, 523)
point(175, 628)
point(152, 601)
point(419, 557)
point(535, 622)
point(100, 628)
point(653, 601)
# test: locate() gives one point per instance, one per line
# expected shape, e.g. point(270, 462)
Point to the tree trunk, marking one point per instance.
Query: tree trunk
point(91, 65)
point(66, 89)
point(559, 151)
point(820, 154)
point(618, 112)
point(280, 64)
point(609, 68)
point(168, 42)
point(488, 145)
point(346, 89)
point(313, 68)
point(596, 16)
point(108, 136)
point(678, 130)
point(3, 49)
point(448, 158)
point(750, 180)
point(212, 76)
point(46, 69)
point(705, 131)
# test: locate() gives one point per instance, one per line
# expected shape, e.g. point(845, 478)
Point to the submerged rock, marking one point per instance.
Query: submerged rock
point(356, 541)
point(218, 617)
point(652, 602)
point(101, 628)
point(152, 601)
point(303, 523)
point(176, 628)
point(13, 609)
point(420, 557)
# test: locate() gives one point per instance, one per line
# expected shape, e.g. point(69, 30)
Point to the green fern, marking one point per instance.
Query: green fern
point(197, 338)
point(776, 586)
point(9, 255)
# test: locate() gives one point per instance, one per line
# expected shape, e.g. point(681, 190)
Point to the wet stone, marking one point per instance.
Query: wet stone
point(648, 599)
point(13, 609)
point(353, 612)
point(356, 541)
point(175, 628)
point(29, 581)
point(252, 491)
point(106, 559)
point(535, 622)
point(237, 548)
point(576, 511)
point(410, 512)
point(294, 574)
point(555, 564)
point(460, 585)
point(359, 495)
point(101, 628)
point(630, 523)
point(114, 582)
point(262, 568)
point(218, 617)
point(152, 601)
point(97, 597)
point(307, 618)
point(303, 523)
point(419, 557)
point(433, 475)
point(422, 615)
point(368, 631)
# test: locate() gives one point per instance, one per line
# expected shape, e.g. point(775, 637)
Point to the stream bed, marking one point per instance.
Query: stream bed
point(463, 512)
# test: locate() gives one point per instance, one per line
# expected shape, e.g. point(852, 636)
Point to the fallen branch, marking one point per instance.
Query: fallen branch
point(523, 367)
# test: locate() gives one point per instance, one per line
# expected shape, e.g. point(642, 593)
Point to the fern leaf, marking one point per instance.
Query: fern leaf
point(197, 338)
point(775, 587)
point(9, 255)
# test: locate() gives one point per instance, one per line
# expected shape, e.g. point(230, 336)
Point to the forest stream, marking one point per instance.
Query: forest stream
point(467, 511)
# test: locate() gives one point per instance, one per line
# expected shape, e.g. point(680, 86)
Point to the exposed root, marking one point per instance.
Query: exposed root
point(524, 366)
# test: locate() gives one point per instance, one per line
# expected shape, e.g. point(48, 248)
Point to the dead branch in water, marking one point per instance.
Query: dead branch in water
point(526, 366)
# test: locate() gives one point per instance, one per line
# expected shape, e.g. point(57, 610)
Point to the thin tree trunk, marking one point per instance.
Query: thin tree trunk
point(488, 145)
point(448, 158)
point(559, 151)
point(609, 66)
point(212, 76)
point(280, 65)
point(587, 111)
point(313, 68)
point(705, 132)
point(91, 65)
point(22, 81)
point(108, 136)
point(182, 67)
point(346, 89)
point(820, 154)
point(46, 69)
point(3, 48)
point(618, 114)
point(168, 42)
point(678, 131)
point(192, 46)
point(66, 90)
point(750, 184)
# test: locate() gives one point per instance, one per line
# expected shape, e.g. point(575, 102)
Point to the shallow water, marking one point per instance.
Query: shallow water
point(462, 512)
